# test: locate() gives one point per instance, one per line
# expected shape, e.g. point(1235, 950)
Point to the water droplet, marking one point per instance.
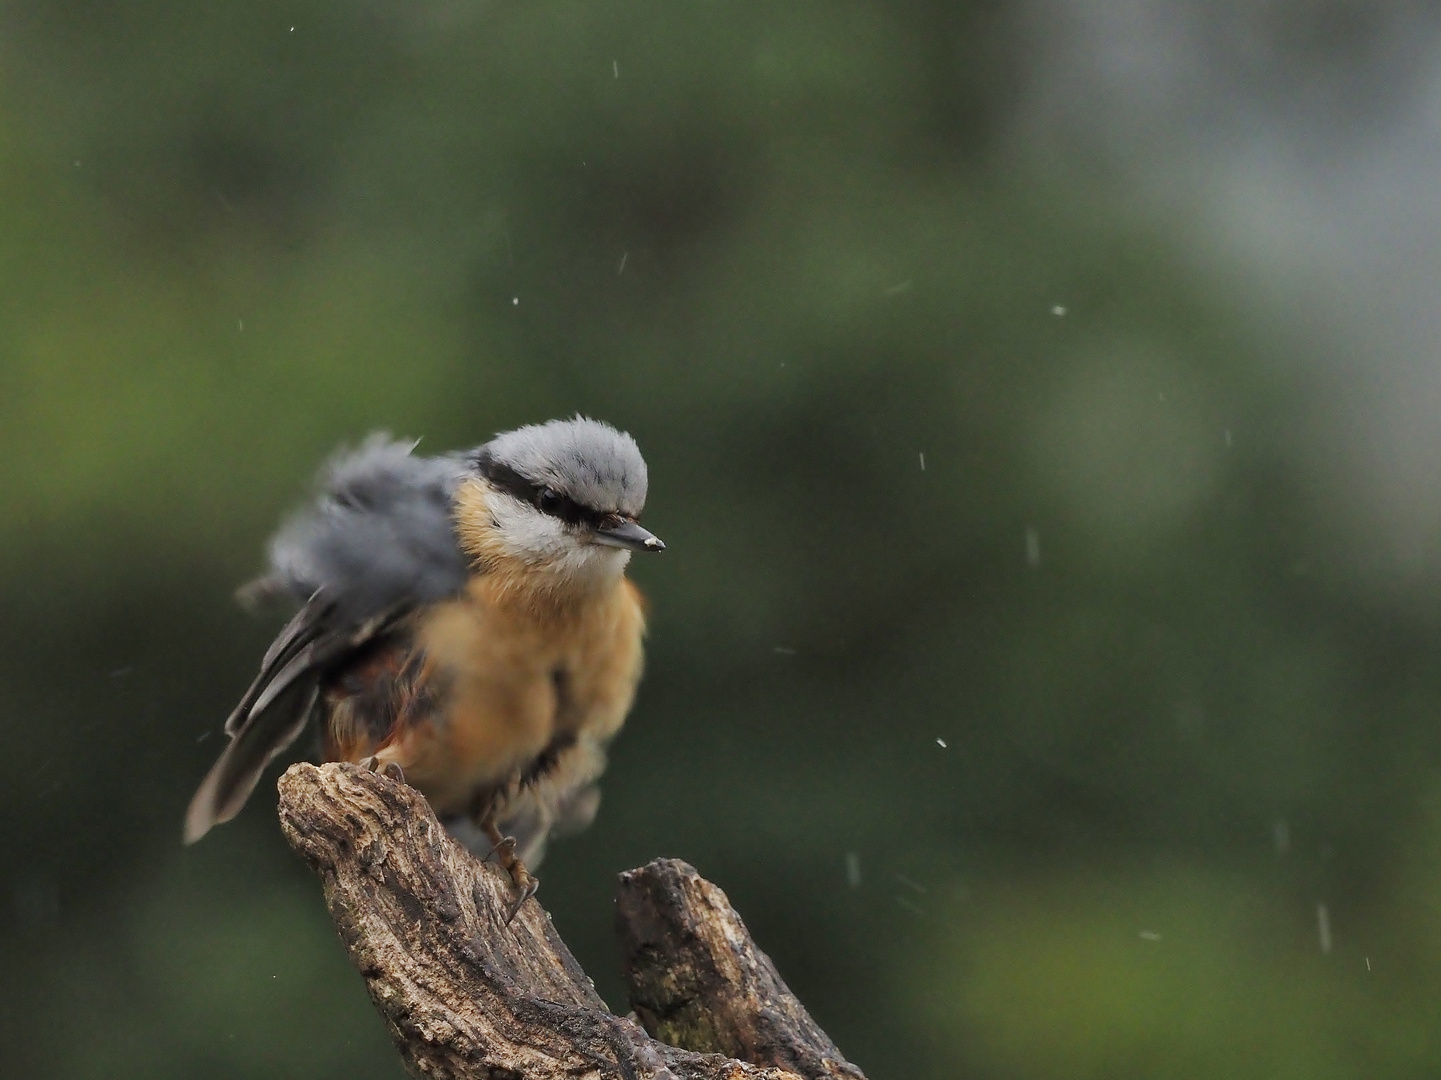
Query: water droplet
point(1281, 835)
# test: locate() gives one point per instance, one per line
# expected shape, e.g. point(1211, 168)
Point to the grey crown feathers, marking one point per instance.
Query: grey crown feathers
point(585, 460)
point(380, 534)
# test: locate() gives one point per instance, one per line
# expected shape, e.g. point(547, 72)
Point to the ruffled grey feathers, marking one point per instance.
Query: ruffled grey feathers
point(378, 534)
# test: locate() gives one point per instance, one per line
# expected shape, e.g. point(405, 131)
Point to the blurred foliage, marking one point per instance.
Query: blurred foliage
point(997, 562)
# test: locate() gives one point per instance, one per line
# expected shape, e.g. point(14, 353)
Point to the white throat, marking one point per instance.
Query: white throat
point(547, 546)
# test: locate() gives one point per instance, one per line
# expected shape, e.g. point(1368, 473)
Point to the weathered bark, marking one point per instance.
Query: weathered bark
point(465, 996)
point(697, 979)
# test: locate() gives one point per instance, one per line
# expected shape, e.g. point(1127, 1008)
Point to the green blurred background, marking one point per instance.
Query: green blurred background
point(1043, 413)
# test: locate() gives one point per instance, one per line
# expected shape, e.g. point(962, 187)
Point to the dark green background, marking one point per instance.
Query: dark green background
point(1186, 676)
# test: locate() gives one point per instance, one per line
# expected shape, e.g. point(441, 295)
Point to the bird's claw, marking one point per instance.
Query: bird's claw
point(391, 770)
point(503, 851)
point(526, 892)
point(523, 880)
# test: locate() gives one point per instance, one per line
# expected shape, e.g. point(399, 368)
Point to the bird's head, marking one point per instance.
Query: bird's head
point(561, 498)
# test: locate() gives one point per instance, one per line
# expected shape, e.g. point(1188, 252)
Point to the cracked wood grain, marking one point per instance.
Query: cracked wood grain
point(697, 979)
point(466, 997)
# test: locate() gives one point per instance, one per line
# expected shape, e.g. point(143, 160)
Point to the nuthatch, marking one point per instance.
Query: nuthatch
point(465, 622)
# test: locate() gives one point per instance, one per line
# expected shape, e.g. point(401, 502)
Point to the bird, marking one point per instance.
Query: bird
point(464, 624)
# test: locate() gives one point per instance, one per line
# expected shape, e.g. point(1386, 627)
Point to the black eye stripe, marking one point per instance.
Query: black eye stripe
point(568, 510)
point(544, 499)
point(504, 477)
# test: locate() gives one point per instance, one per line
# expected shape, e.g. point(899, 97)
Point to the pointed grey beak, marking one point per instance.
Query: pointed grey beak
point(628, 535)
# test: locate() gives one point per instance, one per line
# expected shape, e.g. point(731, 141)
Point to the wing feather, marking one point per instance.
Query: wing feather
point(376, 545)
point(299, 632)
point(277, 712)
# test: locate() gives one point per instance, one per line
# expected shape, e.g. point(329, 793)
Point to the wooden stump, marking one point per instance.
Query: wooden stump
point(468, 998)
point(697, 979)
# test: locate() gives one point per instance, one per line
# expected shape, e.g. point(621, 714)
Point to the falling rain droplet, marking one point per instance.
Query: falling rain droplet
point(1281, 835)
point(1323, 928)
point(908, 905)
point(1033, 547)
point(853, 869)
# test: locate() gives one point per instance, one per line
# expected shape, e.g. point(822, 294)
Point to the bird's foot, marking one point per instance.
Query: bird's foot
point(389, 769)
point(525, 882)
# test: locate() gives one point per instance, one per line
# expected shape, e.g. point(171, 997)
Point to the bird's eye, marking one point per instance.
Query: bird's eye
point(548, 502)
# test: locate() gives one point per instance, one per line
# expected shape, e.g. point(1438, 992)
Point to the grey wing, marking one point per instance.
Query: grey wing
point(376, 545)
point(278, 704)
point(379, 532)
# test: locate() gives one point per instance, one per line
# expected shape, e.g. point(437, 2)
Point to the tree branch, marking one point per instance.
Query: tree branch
point(468, 998)
point(697, 979)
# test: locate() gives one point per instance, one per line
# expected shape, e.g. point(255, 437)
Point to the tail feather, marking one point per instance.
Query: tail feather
point(264, 735)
